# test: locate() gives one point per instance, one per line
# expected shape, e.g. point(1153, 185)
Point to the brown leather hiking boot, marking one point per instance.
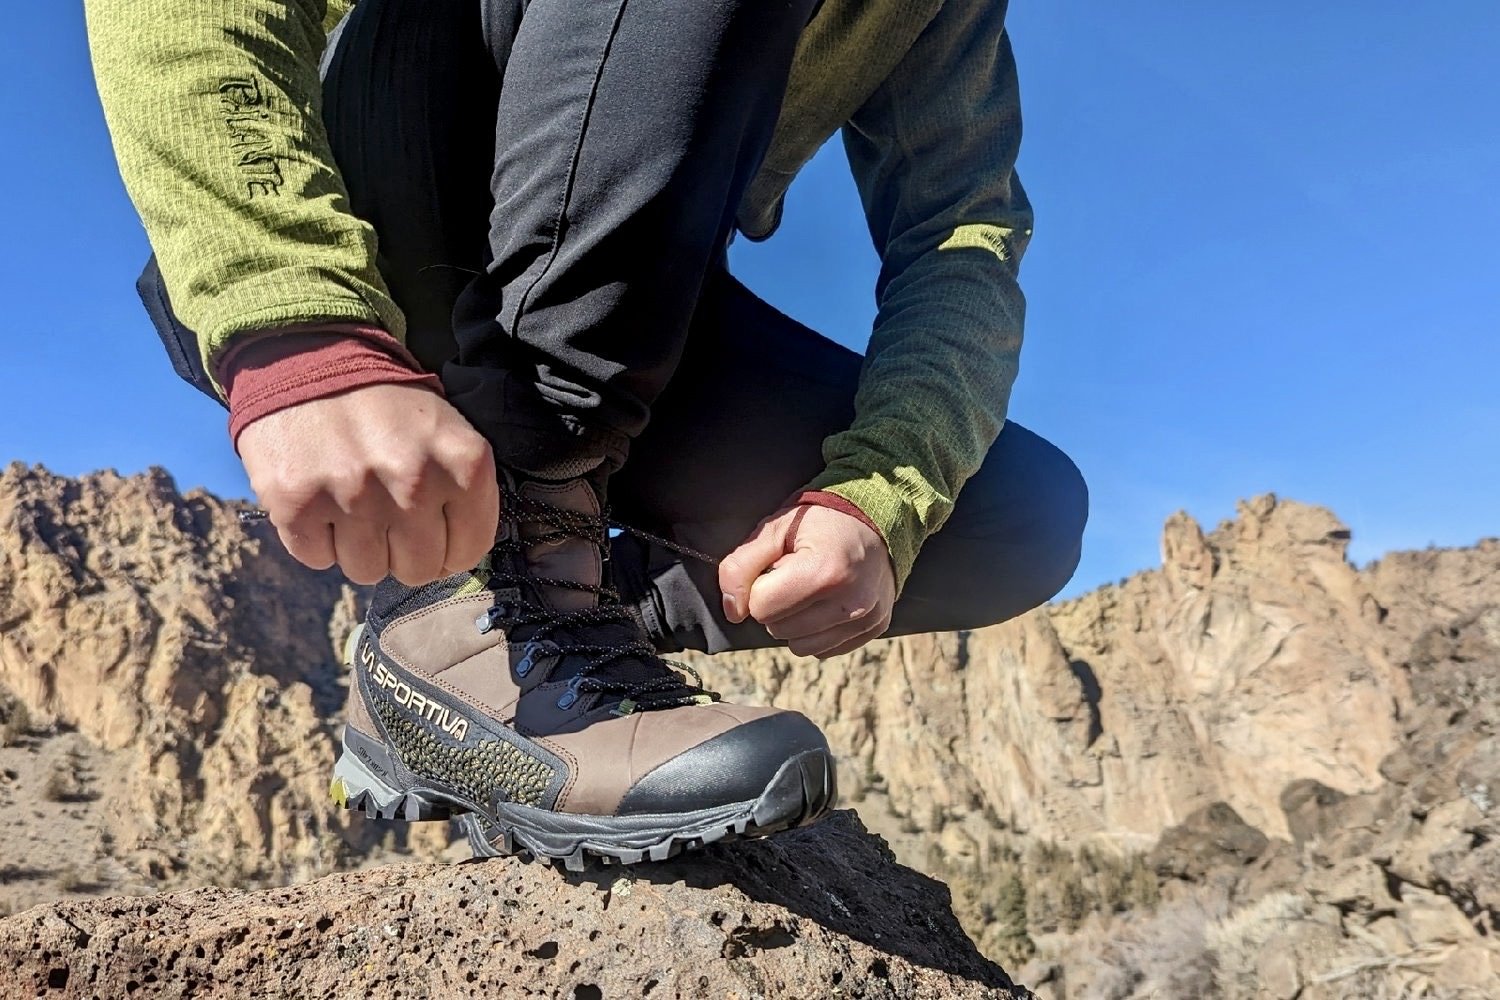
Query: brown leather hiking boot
point(526, 697)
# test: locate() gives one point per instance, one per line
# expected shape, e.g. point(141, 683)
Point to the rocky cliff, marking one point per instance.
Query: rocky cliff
point(1205, 745)
point(1217, 743)
point(1254, 657)
point(192, 653)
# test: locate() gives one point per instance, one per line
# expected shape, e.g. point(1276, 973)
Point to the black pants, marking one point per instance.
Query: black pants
point(565, 273)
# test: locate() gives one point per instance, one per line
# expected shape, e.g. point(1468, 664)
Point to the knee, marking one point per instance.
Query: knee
point(1024, 570)
point(1059, 527)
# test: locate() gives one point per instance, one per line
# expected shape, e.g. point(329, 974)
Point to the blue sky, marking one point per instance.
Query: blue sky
point(1266, 258)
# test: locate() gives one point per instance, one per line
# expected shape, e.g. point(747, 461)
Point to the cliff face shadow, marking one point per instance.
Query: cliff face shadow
point(836, 874)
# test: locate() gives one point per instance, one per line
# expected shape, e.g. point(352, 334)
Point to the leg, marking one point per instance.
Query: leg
point(409, 90)
point(627, 131)
point(527, 704)
point(740, 428)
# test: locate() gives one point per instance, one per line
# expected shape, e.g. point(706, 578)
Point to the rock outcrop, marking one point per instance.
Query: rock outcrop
point(191, 651)
point(1394, 892)
point(1257, 768)
point(818, 912)
point(1257, 723)
point(1254, 657)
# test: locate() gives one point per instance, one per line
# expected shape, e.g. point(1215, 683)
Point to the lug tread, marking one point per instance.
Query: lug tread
point(800, 794)
point(409, 808)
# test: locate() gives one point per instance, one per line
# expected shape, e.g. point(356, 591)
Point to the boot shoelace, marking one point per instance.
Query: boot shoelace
point(654, 683)
point(628, 666)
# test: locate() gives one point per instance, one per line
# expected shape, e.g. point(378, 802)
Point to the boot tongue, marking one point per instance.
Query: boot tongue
point(556, 549)
point(556, 554)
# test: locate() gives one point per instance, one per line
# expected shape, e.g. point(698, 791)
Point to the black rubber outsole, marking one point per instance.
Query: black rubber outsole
point(802, 792)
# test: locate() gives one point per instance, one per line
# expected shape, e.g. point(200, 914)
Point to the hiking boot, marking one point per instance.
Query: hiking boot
point(525, 697)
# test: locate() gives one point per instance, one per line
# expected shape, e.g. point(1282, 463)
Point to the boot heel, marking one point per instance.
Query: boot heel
point(355, 786)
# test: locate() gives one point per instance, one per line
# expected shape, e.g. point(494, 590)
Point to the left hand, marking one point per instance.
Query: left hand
point(816, 578)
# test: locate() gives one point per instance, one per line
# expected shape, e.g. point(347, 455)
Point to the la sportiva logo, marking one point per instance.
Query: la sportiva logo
point(415, 702)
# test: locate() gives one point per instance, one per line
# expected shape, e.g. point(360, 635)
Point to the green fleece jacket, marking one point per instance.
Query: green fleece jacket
point(213, 106)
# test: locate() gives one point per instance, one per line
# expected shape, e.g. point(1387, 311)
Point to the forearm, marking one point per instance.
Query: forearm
point(933, 152)
point(932, 398)
point(214, 112)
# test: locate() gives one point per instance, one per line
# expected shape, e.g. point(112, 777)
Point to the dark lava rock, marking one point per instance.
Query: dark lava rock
point(814, 913)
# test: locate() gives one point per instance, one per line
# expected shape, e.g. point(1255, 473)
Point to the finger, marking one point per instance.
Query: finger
point(795, 585)
point(471, 521)
point(362, 550)
point(857, 642)
point(818, 617)
point(418, 545)
point(836, 641)
point(309, 544)
point(739, 570)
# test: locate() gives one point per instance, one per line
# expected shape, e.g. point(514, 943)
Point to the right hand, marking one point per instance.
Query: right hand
point(383, 479)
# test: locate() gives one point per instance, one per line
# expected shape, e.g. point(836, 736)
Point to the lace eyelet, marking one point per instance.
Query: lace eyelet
point(524, 664)
point(500, 609)
point(536, 649)
point(569, 697)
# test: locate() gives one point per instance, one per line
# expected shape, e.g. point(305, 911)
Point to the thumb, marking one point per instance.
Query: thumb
point(739, 569)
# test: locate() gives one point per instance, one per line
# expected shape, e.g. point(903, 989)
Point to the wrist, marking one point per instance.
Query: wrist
point(822, 498)
point(266, 373)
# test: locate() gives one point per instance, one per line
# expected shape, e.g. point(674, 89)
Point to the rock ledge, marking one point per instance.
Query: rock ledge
point(815, 913)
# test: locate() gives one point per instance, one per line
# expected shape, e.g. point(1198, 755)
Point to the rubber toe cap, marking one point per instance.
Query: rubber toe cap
point(736, 766)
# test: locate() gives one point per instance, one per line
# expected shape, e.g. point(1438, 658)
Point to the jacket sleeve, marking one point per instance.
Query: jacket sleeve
point(214, 108)
point(933, 153)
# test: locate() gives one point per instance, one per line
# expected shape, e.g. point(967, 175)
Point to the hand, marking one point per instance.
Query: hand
point(815, 577)
point(384, 479)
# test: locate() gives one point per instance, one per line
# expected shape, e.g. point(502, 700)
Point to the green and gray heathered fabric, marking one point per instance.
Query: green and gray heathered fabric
point(214, 112)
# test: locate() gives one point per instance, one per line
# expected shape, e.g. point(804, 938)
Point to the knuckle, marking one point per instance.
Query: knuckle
point(832, 576)
point(304, 554)
point(351, 489)
point(405, 477)
point(283, 492)
point(853, 613)
point(478, 459)
point(302, 533)
point(407, 488)
point(466, 454)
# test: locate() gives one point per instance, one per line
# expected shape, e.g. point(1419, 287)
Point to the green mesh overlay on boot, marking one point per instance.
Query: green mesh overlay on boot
point(475, 771)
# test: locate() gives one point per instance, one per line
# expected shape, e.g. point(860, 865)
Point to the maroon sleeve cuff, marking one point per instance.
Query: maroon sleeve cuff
point(822, 498)
point(268, 372)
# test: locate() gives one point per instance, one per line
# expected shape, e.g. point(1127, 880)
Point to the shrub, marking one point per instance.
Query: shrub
point(1011, 939)
point(76, 879)
point(15, 720)
point(63, 784)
